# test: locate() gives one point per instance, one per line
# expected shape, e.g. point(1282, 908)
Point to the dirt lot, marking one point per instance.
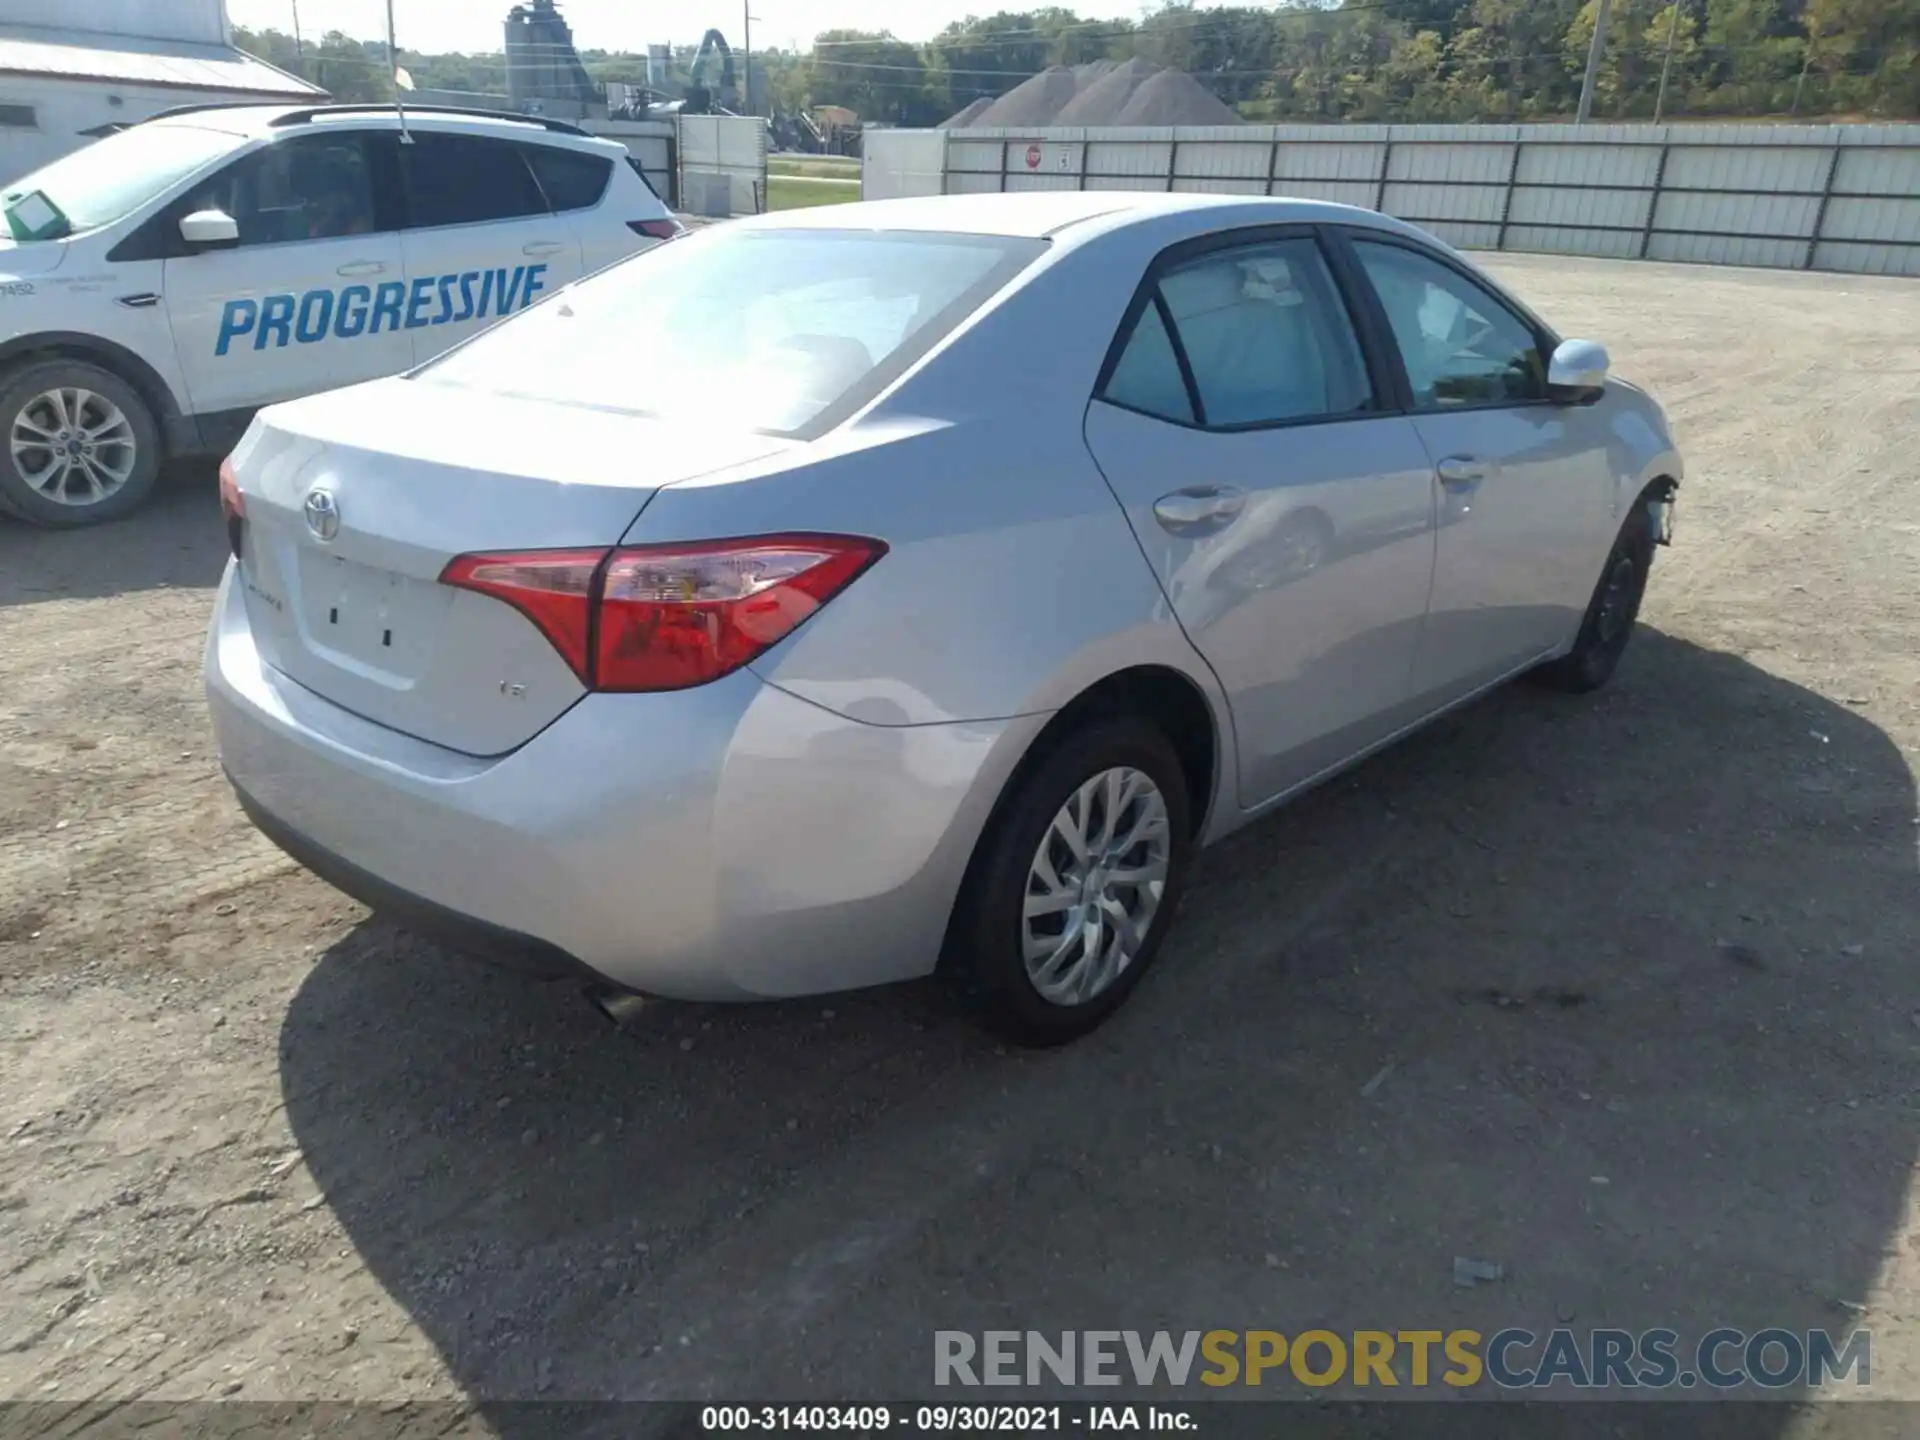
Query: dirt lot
point(1643, 966)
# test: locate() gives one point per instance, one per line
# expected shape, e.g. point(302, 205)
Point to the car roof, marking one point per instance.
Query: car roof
point(278, 121)
point(1040, 214)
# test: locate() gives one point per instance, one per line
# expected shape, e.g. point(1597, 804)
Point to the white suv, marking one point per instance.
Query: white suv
point(159, 286)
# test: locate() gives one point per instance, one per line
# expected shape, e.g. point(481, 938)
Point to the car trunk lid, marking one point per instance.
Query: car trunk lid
point(355, 502)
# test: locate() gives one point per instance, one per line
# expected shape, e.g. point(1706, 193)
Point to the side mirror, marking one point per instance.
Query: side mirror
point(210, 230)
point(1577, 371)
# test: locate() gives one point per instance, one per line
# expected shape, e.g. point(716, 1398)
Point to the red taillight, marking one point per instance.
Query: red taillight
point(233, 506)
point(667, 617)
point(552, 588)
point(678, 615)
point(657, 229)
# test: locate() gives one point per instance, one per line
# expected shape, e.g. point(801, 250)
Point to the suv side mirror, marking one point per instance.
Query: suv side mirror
point(1578, 371)
point(210, 230)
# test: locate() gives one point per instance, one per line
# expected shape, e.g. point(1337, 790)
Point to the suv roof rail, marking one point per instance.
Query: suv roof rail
point(308, 113)
point(204, 106)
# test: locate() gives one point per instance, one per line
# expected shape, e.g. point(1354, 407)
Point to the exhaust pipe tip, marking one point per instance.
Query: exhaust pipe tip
point(619, 1008)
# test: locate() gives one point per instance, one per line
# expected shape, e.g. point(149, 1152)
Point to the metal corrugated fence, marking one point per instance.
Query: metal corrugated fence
point(730, 150)
point(1825, 197)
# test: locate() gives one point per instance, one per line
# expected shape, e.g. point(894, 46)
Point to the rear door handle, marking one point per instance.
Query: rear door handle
point(1461, 472)
point(362, 267)
point(543, 247)
point(1199, 509)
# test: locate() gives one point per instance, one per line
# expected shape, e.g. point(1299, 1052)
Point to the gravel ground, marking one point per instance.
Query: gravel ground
point(1642, 966)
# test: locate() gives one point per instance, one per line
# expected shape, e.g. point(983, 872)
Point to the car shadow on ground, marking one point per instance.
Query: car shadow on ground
point(174, 541)
point(1612, 992)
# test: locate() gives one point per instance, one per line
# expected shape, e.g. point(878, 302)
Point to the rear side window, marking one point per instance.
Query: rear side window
point(779, 331)
point(466, 180)
point(572, 180)
point(1147, 376)
point(1266, 338)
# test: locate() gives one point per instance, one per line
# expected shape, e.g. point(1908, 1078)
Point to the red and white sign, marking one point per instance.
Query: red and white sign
point(1033, 157)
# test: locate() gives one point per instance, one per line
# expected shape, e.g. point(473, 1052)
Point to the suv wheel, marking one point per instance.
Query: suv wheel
point(81, 445)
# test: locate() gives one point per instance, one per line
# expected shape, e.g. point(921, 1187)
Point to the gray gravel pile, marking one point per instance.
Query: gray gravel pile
point(967, 116)
point(1107, 96)
point(1133, 92)
point(1038, 100)
point(1169, 97)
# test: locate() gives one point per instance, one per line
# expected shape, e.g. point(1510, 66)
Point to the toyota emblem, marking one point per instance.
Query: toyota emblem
point(323, 516)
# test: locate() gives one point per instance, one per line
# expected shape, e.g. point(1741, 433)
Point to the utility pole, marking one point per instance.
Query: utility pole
point(1673, 24)
point(299, 51)
point(746, 57)
point(1594, 52)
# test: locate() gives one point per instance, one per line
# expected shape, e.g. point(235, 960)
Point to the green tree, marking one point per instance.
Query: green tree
point(1629, 77)
point(1303, 59)
point(349, 70)
point(1872, 48)
point(873, 74)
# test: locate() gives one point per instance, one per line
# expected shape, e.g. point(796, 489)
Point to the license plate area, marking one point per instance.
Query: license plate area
point(369, 619)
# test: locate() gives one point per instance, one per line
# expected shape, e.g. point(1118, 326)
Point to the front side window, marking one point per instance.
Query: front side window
point(1461, 347)
point(110, 179)
point(312, 188)
point(466, 180)
point(768, 330)
point(1266, 337)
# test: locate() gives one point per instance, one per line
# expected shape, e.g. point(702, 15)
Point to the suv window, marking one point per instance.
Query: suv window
point(572, 179)
point(313, 188)
point(1266, 336)
point(466, 180)
point(1461, 346)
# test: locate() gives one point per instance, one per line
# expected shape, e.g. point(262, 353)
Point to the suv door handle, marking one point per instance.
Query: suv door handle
point(1199, 509)
point(1461, 472)
point(543, 247)
point(362, 267)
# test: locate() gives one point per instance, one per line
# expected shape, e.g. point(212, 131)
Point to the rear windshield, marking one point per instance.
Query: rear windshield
point(781, 331)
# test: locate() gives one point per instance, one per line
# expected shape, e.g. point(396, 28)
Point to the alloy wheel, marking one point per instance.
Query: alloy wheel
point(73, 446)
point(1095, 885)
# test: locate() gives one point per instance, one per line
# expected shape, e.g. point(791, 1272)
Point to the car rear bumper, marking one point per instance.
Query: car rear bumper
point(723, 843)
point(494, 943)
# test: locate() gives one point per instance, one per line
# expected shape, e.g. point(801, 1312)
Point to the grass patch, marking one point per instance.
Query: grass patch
point(827, 167)
point(792, 192)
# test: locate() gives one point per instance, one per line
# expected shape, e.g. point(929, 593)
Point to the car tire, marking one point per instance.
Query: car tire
point(1611, 613)
point(68, 401)
point(992, 934)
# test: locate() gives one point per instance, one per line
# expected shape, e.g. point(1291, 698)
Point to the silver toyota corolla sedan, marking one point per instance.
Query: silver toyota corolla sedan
point(843, 596)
